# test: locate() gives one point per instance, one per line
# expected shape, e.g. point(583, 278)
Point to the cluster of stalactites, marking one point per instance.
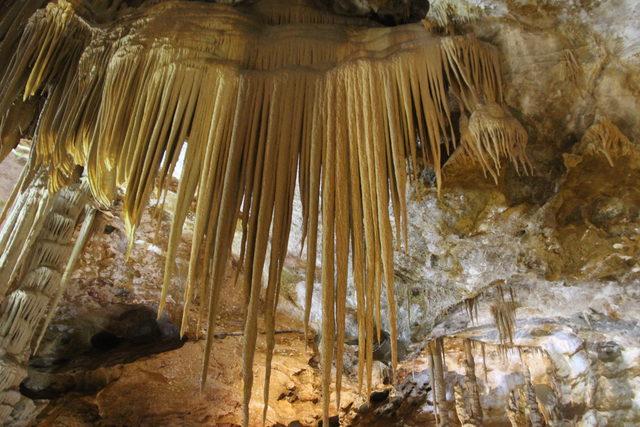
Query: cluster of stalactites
point(488, 132)
point(491, 134)
point(503, 311)
point(445, 13)
point(348, 114)
point(502, 307)
point(605, 138)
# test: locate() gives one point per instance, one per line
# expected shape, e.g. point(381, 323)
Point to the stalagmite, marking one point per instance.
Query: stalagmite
point(266, 98)
point(36, 285)
point(533, 410)
point(471, 383)
point(515, 410)
point(464, 415)
point(439, 386)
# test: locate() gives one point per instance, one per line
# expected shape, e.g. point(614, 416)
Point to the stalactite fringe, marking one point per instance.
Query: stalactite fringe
point(503, 311)
point(606, 139)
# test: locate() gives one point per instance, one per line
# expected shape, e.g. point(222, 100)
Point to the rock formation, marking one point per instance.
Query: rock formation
point(479, 167)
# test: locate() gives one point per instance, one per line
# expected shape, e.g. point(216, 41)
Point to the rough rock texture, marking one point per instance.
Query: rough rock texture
point(567, 235)
point(565, 240)
point(10, 169)
point(389, 12)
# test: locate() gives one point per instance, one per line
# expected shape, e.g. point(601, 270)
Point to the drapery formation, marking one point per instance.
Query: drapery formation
point(604, 138)
point(37, 281)
point(263, 99)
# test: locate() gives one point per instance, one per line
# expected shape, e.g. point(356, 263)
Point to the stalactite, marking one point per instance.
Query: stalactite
point(344, 109)
point(432, 373)
point(484, 362)
point(606, 139)
point(12, 22)
point(20, 229)
point(19, 115)
point(490, 134)
point(552, 414)
point(503, 311)
point(471, 305)
point(574, 71)
point(444, 13)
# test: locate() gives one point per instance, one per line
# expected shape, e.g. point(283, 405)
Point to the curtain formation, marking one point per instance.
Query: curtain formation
point(604, 138)
point(263, 99)
point(38, 280)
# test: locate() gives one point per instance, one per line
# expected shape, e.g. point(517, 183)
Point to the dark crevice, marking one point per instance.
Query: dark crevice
point(74, 364)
